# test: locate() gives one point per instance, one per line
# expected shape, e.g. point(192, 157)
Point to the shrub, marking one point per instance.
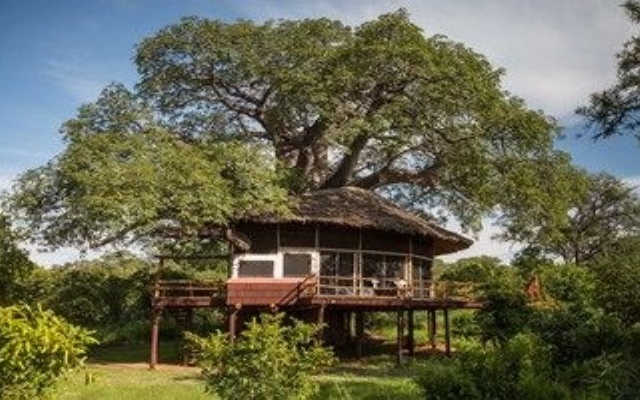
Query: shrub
point(518, 369)
point(36, 348)
point(270, 360)
point(446, 380)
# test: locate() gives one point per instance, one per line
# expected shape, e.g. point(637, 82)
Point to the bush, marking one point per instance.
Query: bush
point(519, 369)
point(270, 360)
point(36, 348)
point(446, 380)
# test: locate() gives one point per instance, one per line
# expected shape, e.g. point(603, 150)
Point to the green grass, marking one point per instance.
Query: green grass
point(375, 378)
point(133, 382)
point(121, 373)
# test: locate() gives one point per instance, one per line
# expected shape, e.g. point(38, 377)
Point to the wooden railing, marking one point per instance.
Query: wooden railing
point(394, 287)
point(189, 288)
point(313, 285)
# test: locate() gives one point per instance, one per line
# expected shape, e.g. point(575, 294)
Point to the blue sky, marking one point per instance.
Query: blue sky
point(56, 55)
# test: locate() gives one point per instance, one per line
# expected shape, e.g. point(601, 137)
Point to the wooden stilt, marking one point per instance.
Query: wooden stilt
point(400, 335)
point(447, 332)
point(432, 321)
point(188, 327)
point(233, 322)
point(155, 330)
point(348, 325)
point(321, 326)
point(410, 328)
point(359, 333)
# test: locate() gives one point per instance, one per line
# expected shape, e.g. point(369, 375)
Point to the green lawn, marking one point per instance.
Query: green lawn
point(122, 374)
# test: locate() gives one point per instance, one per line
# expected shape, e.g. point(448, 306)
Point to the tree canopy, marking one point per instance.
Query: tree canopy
point(616, 110)
point(228, 117)
point(607, 211)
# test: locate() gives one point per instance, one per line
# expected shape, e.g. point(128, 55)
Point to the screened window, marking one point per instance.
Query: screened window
point(255, 268)
point(296, 264)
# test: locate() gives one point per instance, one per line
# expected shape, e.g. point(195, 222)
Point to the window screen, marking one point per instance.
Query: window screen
point(255, 268)
point(296, 264)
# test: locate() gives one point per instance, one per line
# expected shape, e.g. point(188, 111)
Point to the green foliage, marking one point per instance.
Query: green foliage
point(519, 369)
point(119, 186)
point(270, 360)
point(605, 212)
point(15, 266)
point(617, 275)
point(573, 324)
point(109, 291)
point(615, 110)
point(446, 381)
point(569, 283)
point(229, 117)
point(36, 348)
point(608, 376)
point(505, 313)
point(481, 269)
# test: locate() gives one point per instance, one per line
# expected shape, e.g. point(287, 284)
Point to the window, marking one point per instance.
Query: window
point(296, 264)
point(255, 268)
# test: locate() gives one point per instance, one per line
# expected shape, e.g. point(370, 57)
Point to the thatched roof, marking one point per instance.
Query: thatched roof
point(363, 209)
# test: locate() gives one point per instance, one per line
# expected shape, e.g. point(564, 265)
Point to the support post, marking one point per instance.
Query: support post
point(432, 321)
point(321, 329)
point(233, 322)
point(411, 338)
point(188, 327)
point(447, 332)
point(400, 336)
point(155, 329)
point(348, 324)
point(359, 333)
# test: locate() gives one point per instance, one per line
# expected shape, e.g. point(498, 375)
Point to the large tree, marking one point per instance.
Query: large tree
point(617, 110)
point(316, 104)
point(607, 212)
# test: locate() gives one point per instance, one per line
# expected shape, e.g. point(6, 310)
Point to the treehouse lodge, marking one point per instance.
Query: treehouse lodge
point(341, 254)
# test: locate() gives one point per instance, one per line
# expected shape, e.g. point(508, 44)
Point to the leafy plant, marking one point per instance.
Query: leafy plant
point(270, 360)
point(36, 348)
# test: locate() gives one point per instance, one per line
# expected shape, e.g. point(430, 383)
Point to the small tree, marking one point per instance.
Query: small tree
point(15, 265)
point(36, 348)
point(270, 360)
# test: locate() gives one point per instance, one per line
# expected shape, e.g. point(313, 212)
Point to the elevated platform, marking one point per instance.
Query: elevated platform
point(311, 291)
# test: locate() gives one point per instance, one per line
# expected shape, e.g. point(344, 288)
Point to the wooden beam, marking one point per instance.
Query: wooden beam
point(399, 336)
point(410, 328)
point(447, 332)
point(155, 330)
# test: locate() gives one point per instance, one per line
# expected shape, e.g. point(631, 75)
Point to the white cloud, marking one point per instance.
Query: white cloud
point(59, 256)
point(633, 181)
point(75, 78)
point(6, 179)
point(485, 244)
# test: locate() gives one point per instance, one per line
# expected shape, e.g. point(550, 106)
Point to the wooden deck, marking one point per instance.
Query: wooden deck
point(312, 291)
point(328, 299)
